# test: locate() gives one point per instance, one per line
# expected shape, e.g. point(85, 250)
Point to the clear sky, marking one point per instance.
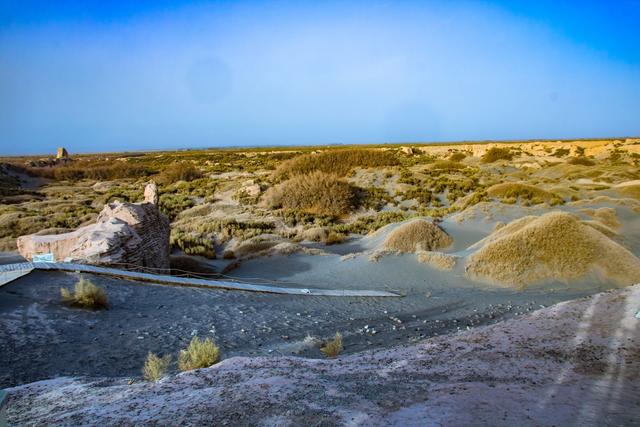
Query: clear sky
point(134, 75)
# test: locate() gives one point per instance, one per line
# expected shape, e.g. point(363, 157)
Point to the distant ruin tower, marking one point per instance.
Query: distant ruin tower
point(62, 153)
point(151, 194)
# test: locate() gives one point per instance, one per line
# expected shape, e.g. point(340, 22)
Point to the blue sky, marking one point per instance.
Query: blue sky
point(111, 76)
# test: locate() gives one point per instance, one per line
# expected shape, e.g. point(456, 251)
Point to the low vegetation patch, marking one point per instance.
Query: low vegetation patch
point(155, 367)
point(98, 170)
point(437, 260)
point(180, 171)
point(199, 354)
point(317, 193)
point(584, 161)
point(85, 295)
point(336, 162)
point(512, 191)
point(333, 347)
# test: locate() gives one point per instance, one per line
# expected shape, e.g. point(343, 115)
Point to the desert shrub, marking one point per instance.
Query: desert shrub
point(368, 224)
point(317, 192)
point(446, 165)
point(333, 347)
point(172, 204)
point(561, 152)
point(192, 244)
point(155, 367)
point(180, 171)
point(334, 238)
point(85, 295)
point(581, 161)
point(495, 153)
point(374, 198)
point(336, 162)
point(457, 156)
point(514, 191)
point(293, 217)
point(406, 177)
point(422, 195)
point(199, 354)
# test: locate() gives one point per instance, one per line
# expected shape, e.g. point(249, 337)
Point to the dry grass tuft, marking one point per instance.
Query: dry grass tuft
point(334, 238)
point(333, 348)
point(437, 260)
point(85, 295)
point(316, 193)
point(336, 162)
point(554, 246)
point(415, 235)
point(199, 354)
point(155, 367)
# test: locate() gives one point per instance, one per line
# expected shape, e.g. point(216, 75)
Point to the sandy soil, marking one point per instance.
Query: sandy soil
point(576, 363)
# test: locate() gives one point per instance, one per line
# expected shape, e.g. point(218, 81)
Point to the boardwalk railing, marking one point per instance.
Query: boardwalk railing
point(10, 272)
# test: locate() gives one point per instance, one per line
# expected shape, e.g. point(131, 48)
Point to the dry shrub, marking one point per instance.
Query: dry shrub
point(554, 246)
point(155, 367)
point(514, 191)
point(85, 295)
point(581, 161)
point(181, 171)
point(333, 347)
point(334, 238)
point(317, 193)
point(495, 153)
point(457, 156)
point(417, 234)
point(199, 354)
point(336, 162)
point(446, 165)
point(437, 260)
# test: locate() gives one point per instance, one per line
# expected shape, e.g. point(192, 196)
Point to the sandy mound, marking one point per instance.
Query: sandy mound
point(437, 260)
point(554, 246)
point(415, 235)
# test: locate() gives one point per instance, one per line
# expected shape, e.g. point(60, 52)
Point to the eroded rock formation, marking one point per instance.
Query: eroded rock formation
point(125, 234)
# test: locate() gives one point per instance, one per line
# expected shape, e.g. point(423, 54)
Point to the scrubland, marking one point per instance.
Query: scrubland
point(218, 199)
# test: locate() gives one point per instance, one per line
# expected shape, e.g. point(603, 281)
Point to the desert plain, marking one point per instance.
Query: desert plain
point(474, 241)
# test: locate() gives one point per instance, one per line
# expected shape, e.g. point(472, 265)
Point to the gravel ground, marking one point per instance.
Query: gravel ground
point(42, 338)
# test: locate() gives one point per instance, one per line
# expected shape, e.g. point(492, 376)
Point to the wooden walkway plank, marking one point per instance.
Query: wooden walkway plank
point(184, 281)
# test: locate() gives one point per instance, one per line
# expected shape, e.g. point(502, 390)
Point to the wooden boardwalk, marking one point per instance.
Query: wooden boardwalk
point(10, 272)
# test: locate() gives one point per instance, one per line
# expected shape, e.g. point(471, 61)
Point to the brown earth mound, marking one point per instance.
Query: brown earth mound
point(417, 235)
point(554, 246)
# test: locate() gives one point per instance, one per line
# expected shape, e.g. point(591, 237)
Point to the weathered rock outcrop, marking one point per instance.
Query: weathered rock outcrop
point(125, 233)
